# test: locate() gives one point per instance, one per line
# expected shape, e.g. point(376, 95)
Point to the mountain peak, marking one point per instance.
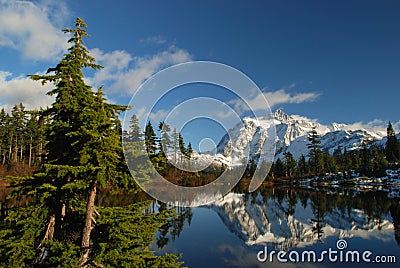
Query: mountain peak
point(281, 116)
point(291, 136)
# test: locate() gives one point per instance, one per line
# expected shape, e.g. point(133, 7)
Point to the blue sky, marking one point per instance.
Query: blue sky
point(335, 61)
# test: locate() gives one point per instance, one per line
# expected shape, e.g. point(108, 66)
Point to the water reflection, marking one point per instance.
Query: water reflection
point(285, 218)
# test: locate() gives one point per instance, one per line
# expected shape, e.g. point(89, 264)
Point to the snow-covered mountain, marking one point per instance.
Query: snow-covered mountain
point(258, 222)
point(291, 136)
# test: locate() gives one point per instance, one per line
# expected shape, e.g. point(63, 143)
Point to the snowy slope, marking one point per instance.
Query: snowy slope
point(291, 135)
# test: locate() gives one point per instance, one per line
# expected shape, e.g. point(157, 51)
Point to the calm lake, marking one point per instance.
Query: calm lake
point(338, 226)
point(345, 222)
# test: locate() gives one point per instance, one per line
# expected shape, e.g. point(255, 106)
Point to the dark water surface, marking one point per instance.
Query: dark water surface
point(345, 222)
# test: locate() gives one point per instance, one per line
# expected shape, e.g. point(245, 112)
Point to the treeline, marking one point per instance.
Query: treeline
point(169, 142)
point(21, 136)
point(370, 160)
point(168, 154)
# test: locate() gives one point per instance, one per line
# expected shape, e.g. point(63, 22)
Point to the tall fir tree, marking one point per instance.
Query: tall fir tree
point(84, 150)
point(302, 167)
point(175, 144)
point(314, 150)
point(135, 133)
point(279, 168)
point(290, 164)
point(150, 139)
point(189, 150)
point(392, 145)
point(3, 136)
point(165, 139)
point(182, 148)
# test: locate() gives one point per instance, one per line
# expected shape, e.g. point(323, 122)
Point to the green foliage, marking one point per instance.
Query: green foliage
point(314, 150)
point(60, 254)
point(134, 134)
point(150, 139)
point(290, 164)
point(123, 236)
point(19, 236)
point(392, 145)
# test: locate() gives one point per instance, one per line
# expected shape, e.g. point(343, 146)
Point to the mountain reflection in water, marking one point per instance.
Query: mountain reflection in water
point(230, 231)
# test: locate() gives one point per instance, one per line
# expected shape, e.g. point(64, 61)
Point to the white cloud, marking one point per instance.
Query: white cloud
point(376, 125)
point(23, 89)
point(123, 79)
point(300, 118)
point(28, 28)
point(274, 98)
point(281, 96)
point(114, 63)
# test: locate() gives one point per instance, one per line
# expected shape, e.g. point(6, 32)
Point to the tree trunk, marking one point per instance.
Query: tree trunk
point(49, 231)
point(10, 149)
point(87, 228)
point(47, 236)
point(16, 150)
point(39, 155)
point(30, 153)
point(21, 154)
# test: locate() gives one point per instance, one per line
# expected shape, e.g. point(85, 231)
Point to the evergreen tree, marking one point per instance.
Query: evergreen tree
point(189, 151)
point(33, 136)
point(365, 157)
point(329, 164)
point(250, 168)
point(290, 164)
point(302, 167)
point(346, 160)
point(392, 145)
point(3, 136)
point(150, 139)
point(379, 163)
point(135, 133)
point(314, 150)
point(18, 122)
point(84, 150)
point(165, 140)
point(175, 144)
point(136, 154)
point(279, 168)
point(182, 147)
